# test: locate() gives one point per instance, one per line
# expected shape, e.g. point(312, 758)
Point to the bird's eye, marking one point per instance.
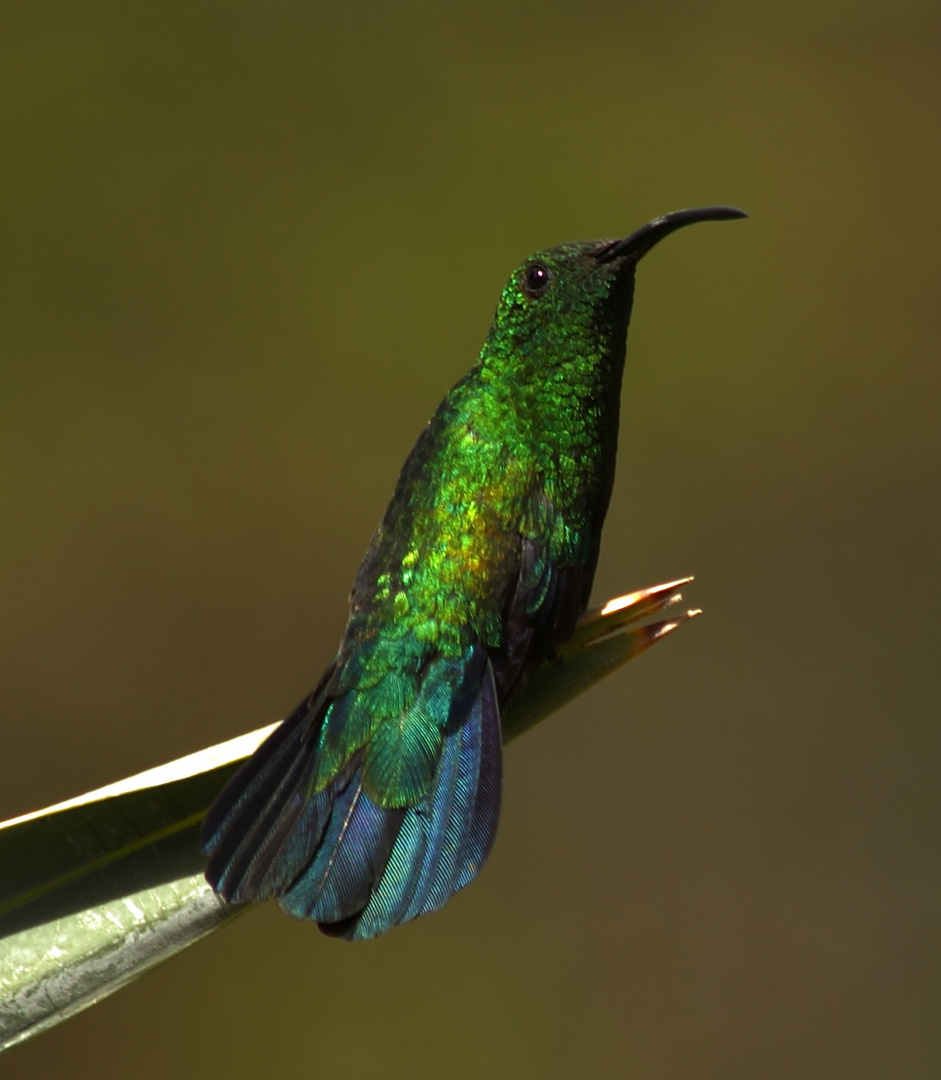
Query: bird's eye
point(536, 280)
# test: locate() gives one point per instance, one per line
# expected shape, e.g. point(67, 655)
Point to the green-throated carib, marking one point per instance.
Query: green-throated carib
point(378, 797)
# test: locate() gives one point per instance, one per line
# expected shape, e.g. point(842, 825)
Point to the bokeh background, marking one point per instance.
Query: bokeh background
point(245, 249)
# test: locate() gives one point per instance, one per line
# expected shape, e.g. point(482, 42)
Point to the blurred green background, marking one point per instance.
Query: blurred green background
point(245, 249)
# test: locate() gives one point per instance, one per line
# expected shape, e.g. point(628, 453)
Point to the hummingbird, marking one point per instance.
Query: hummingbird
point(378, 797)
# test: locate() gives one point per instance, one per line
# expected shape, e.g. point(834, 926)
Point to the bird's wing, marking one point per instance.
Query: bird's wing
point(556, 567)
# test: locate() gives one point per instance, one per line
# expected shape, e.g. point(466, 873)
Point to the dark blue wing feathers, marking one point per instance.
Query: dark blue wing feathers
point(256, 810)
point(486, 813)
point(349, 860)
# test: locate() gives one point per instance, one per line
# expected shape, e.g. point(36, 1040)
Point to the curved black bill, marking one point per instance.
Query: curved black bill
point(643, 239)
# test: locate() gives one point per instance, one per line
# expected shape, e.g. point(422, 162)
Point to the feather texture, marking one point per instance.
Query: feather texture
point(337, 855)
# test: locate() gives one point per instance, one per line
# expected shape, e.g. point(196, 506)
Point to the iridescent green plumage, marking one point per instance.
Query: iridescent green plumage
point(379, 796)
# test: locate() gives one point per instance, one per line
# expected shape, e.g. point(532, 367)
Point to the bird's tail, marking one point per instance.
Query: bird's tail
point(336, 856)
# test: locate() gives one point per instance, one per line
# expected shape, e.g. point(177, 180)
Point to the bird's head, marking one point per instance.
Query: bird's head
point(571, 304)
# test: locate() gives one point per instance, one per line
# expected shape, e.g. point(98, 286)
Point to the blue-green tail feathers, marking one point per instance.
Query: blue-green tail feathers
point(337, 856)
point(444, 839)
